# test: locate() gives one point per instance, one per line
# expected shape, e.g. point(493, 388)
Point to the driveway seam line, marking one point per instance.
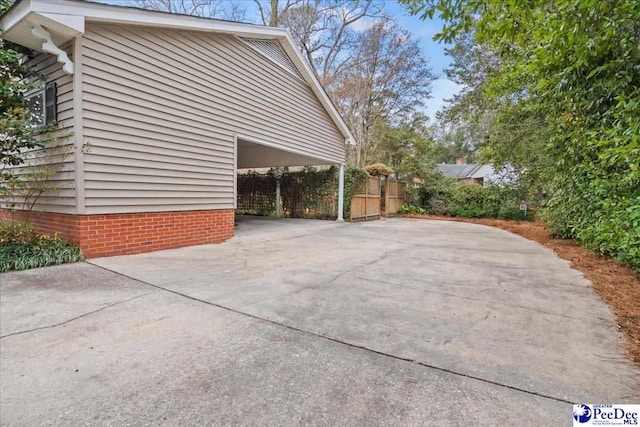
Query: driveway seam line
point(335, 340)
point(77, 317)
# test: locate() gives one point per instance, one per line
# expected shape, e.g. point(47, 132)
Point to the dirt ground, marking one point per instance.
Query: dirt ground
point(616, 284)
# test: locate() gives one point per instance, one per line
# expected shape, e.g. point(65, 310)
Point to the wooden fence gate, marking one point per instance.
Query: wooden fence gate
point(393, 196)
point(365, 202)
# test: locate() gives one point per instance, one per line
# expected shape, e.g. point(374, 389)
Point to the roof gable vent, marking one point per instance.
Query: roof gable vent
point(272, 50)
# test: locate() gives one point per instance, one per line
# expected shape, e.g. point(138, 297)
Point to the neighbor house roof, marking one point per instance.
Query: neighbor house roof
point(471, 170)
point(63, 20)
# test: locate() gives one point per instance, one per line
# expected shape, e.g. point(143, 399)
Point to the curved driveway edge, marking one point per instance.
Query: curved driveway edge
point(398, 321)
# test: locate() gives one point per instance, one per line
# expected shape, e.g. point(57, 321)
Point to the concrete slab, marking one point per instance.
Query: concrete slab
point(465, 297)
point(42, 298)
point(166, 360)
point(401, 321)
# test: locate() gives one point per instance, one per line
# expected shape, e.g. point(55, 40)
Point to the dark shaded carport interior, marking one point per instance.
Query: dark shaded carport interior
point(252, 156)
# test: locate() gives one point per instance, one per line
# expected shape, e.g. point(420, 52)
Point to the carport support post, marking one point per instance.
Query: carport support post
point(278, 201)
point(341, 193)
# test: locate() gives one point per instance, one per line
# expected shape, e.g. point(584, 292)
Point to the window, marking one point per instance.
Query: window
point(51, 103)
point(42, 105)
point(35, 108)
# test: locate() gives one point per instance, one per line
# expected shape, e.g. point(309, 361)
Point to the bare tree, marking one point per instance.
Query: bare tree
point(371, 68)
point(220, 9)
point(324, 29)
point(271, 10)
point(390, 81)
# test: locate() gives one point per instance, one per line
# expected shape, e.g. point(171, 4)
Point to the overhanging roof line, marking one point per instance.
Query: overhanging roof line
point(65, 11)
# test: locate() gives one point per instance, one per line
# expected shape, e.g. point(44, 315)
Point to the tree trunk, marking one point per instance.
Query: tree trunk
point(273, 19)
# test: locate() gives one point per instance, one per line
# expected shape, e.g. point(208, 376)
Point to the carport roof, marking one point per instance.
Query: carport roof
point(63, 20)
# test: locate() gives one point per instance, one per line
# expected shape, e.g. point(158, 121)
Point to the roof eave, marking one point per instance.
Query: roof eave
point(321, 93)
point(98, 12)
point(14, 15)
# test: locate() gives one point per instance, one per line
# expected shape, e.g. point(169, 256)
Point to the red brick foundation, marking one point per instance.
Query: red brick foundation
point(123, 234)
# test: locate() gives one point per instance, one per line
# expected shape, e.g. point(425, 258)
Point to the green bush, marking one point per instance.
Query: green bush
point(354, 178)
point(610, 228)
point(453, 198)
point(467, 200)
point(16, 232)
point(21, 248)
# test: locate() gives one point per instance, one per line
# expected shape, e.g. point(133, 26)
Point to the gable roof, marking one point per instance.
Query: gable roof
point(65, 19)
point(472, 170)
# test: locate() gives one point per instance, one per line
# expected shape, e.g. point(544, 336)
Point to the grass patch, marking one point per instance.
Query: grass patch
point(21, 248)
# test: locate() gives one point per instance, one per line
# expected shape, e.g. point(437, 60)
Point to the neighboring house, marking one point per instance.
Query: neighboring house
point(470, 173)
point(170, 107)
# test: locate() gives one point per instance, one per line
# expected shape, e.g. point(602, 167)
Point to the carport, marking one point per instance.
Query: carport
point(171, 107)
point(253, 153)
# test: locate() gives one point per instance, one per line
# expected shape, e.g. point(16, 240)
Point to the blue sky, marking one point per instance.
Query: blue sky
point(423, 32)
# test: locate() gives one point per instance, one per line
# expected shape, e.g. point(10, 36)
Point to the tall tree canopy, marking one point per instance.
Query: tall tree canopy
point(388, 83)
point(569, 70)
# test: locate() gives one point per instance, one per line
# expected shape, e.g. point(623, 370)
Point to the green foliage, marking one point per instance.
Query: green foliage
point(407, 148)
point(14, 77)
point(18, 139)
point(16, 232)
point(21, 248)
point(466, 200)
point(451, 142)
point(378, 169)
point(412, 209)
point(310, 193)
point(452, 198)
point(565, 85)
point(353, 178)
point(306, 193)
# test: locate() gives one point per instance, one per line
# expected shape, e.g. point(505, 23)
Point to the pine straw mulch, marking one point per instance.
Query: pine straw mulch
point(616, 284)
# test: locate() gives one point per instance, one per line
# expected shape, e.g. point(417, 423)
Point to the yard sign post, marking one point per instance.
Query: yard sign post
point(523, 208)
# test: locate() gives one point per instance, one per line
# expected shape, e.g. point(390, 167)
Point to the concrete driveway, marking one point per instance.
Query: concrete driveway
point(397, 322)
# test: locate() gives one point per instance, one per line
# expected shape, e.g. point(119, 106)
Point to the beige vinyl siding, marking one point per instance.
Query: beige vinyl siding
point(161, 108)
point(57, 156)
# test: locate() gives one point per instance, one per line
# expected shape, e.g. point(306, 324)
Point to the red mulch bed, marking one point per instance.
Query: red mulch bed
point(617, 285)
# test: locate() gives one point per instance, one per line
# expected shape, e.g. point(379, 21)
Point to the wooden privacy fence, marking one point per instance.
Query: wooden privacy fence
point(365, 199)
point(393, 196)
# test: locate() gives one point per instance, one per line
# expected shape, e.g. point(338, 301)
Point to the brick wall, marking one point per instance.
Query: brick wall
point(121, 234)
